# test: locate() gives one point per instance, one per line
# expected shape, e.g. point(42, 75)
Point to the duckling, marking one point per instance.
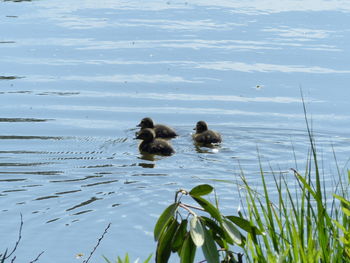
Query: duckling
point(153, 145)
point(205, 136)
point(161, 131)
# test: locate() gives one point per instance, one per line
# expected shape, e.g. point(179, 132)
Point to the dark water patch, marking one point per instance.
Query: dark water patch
point(8, 42)
point(52, 220)
point(130, 182)
point(20, 92)
point(35, 172)
point(14, 190)
point(10, 77)
point(22, 152)
point(99, 183)
point(83, 212)
point(24, 164)
point(76, 158)
point(47, 93)
point(155, 174)
point(75, 180)
point(46, 197)
point(12, 17)
point(18, 137)
point(103, 173)
point(22, 120)
point(91, 200)
point(13, 180)
point(17, 1)
point(146, 165)
point(97, 166)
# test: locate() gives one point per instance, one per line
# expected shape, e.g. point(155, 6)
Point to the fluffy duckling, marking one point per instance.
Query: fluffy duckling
point(152, 145)
point(161, 131)
point(205, 136)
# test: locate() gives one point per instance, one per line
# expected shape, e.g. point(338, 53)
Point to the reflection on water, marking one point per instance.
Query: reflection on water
point(21, 120)
point(9, 77)
point(77, 76)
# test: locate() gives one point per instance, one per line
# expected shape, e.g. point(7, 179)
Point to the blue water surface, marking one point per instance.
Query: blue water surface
point(76, 77)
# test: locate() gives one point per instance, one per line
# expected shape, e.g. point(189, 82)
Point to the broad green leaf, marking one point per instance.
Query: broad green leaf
point(209, 248)
point(179, 236)
point(213, 226)
point(232, 231)
point(164, 219)
point(202, 189)
point(208, 207)
point(165, 242)
point(244, 224)
point(188, 250)
point(196, 231)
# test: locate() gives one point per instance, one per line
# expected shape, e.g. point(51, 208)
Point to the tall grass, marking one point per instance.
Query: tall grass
point(305, 225)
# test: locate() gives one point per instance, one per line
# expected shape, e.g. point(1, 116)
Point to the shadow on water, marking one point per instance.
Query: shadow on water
point(17, 1)
point(22, 120)
point(9, 77)
point(8, 42)
point(17, 137)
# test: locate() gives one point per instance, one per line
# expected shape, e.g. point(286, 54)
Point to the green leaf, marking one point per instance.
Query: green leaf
point(208, 207)
point(126, 260)
point(106, 259)
point(188, 251)
point(244, 224)
point(179, 236)
point(209, 248)
point(342, 199)
point(346, 211)
point(196, 231)
point(148, 259)
point(164, 219)
point(165, 242)
point(232, 231)
point(202, 189)
point(213, 226)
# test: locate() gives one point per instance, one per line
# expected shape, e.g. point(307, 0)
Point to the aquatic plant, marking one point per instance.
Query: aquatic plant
point(127, 259)
point(304, 226)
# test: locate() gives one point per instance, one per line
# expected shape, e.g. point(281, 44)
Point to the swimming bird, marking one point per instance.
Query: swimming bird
point(204, 135)
point(153, 145)
point(161, 131)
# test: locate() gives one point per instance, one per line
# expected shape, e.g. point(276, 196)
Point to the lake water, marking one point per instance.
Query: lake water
point(76, 77)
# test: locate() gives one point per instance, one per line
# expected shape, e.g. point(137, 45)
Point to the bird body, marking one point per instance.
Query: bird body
point(161, 131)
point(153, 145)
point(205, 136)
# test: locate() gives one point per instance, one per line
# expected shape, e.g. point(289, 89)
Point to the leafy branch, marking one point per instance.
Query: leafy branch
point(203, 227)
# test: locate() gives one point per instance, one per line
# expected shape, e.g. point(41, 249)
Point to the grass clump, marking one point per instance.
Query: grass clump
point(305, 225)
